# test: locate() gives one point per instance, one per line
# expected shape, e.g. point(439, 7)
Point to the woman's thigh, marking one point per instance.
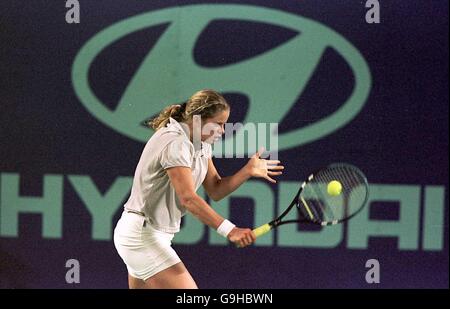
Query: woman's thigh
point(174, 277)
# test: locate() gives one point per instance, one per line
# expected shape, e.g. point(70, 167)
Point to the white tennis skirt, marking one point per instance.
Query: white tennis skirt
point(144, 250)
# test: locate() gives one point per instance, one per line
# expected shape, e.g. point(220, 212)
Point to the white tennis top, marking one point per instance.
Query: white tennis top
point(152, 192)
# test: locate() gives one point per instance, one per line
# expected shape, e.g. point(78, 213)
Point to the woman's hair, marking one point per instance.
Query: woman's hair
point(206, 103)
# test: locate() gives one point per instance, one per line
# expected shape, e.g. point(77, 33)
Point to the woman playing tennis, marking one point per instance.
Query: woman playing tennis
point(171, 169)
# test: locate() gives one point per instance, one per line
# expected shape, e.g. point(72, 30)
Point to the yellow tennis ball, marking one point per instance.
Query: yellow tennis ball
point(334, 187)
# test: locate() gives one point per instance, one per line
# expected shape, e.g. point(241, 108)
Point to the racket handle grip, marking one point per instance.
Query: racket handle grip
point(263, 229)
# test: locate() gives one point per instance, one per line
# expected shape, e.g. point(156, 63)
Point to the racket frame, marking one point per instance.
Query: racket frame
point(298, 199)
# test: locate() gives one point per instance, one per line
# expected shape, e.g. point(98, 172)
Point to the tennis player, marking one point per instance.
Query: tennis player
point(173, 165)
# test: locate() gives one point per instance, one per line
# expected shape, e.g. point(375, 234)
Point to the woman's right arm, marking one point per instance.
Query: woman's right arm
point(181, 179)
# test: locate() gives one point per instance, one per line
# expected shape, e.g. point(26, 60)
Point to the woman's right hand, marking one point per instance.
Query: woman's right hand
point(242, 237)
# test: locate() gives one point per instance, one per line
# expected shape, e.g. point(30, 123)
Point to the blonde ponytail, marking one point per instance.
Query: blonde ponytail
point(175, 111)
point(206, 103)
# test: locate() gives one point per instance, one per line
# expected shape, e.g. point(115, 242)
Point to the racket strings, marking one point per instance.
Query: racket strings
point(329, 208)
point(356, 190)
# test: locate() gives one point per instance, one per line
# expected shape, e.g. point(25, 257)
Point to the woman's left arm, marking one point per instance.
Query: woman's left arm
point(217, 187)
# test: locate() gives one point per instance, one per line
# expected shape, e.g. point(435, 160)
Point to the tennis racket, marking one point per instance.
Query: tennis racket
point(334, 194)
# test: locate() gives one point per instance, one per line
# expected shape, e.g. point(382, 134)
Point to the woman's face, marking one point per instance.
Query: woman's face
point(213, 128)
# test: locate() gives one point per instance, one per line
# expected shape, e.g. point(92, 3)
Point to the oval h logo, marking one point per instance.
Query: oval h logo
point(272, 81)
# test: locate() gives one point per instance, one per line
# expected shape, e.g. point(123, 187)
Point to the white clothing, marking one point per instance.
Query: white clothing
point(152, 192)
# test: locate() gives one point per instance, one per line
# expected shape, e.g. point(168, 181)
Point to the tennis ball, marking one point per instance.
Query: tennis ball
point(334, 187)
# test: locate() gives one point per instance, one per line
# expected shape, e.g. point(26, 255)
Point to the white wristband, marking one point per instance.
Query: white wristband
point(225, 228)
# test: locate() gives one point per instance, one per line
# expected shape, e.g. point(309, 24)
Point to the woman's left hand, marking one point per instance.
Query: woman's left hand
point(258, 167)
